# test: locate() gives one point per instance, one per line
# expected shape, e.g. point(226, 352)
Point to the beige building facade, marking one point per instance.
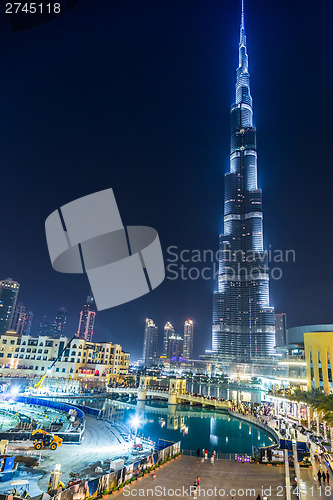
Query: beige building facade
point(31, 357)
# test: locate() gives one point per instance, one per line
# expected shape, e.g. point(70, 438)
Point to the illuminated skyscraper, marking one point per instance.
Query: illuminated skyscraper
point(9, 290)
point(243, 321)
point(168, 332)
point(22, 320)
point(188, 339)
point(150, 343)
point(175, 347)
point(87, 319)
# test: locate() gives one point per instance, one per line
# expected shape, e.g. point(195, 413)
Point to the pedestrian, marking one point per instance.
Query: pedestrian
point(328, 477)
point(198, 481)
point(214, 453)
point(206, 454)
point(203, 452)
point(198, 452)
point(195, 491)
point(323, 476)
point(258, 497)
point(212, 460)
point(319, 477)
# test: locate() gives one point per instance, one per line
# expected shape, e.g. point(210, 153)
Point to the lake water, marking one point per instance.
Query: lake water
point(194, 427)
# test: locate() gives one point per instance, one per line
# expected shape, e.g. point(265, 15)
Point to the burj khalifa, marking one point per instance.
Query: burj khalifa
point(243, 320)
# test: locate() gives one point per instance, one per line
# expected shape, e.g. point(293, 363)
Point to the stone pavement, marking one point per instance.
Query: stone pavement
point(223, 480)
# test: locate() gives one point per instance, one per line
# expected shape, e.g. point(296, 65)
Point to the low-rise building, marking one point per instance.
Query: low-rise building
point(27, 356)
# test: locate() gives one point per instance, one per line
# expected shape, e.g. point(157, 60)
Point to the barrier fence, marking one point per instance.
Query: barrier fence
point(67, 437)
point(94, 487)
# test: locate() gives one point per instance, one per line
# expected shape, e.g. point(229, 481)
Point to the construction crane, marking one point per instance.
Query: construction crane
point(39, 384)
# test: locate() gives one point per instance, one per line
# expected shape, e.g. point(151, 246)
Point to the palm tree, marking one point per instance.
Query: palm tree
point(311, 398)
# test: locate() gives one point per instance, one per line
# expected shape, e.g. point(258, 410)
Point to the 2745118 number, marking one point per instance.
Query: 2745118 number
point(33, 8)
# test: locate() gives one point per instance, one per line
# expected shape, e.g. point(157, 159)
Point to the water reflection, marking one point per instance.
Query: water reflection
point(195, 427)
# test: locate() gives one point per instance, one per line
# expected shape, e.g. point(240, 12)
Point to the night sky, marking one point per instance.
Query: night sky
point(135, 95)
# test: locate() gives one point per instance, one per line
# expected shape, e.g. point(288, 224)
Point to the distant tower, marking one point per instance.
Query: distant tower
point(22, 320)
point(47, 328)
point(188, 339)
point(9, 290)
point(87, 319)
point(60, 322)
point(280, 329)
point(168, 332)
point(175, 346)
point(150, 343)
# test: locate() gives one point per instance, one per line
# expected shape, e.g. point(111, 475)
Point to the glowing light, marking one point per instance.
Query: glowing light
point(135, 421)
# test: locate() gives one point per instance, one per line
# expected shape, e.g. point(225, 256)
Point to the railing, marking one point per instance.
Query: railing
point(68, 437)
point(258, 423)
point(219, 456)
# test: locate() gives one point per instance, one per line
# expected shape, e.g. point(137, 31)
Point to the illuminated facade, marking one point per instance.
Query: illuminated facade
point(243, 321)
point(87, 319)
point(27, 356)
point(169, 331)
point(150, 343)
point(318, 348)
point(9, 290)
point(188, 340)
point(22, 320)
point(175, 347)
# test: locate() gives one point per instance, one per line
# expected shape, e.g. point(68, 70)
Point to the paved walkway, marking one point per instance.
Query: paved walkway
point(313, 489)
point(223, 480)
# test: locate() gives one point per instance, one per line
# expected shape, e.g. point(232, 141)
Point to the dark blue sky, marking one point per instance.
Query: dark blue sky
point(135, 95)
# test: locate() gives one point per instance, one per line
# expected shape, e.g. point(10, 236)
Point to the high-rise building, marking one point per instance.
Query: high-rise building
point(168, 331)
point(243, 320)
point(280, 329)
point(60, 321)
point(87, 319)
point(9, 290)
point(150, 343)
point(188, 339)
point(175, 347)
point(22, 320)
point(47, 328)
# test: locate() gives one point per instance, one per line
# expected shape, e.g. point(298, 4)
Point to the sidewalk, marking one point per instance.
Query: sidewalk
point(223, 480)
point(313, 491)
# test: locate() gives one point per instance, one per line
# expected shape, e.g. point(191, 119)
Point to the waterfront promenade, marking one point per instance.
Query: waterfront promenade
point(223, 480)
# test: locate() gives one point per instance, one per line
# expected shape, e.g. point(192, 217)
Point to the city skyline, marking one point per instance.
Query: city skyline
point(172, 109)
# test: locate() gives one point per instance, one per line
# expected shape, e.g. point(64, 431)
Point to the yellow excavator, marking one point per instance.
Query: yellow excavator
point(39, 384)
point(43, 439)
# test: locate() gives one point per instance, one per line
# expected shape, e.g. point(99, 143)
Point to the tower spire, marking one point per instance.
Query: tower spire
point(242, 20)
point(242, 37)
